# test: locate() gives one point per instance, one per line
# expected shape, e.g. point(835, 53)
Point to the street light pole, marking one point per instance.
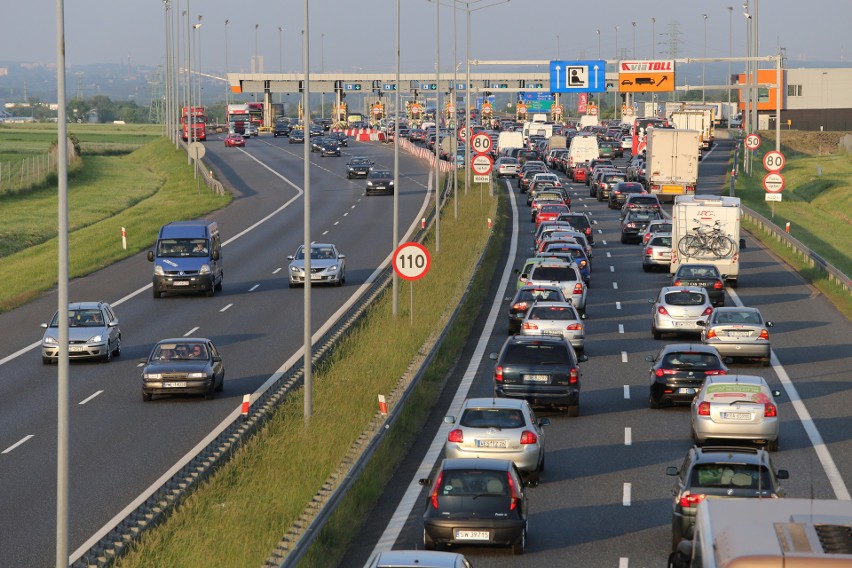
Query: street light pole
point(306, 113)
point(599, 43)
point(730, 54)
point(395, 242)
point(704, 63)
point(255, 68)
point(437, 125)
point(322, 70)
point(557, 47)
point(634, 40)
point(653, 38)
point(616, 43)
point(227, 86)
point(198, 61)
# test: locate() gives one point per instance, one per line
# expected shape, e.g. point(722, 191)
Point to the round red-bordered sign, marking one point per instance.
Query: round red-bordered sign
point(482, 164)
point(411, 261)
point(773, 182)
point(752, 142)
point(481, 143)
point(774, 161)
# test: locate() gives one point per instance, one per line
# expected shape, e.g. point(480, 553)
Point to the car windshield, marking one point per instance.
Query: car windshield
point(457, 482)
point(684, 298)
point(317, 253)
point(745, 476)
point(359, 162)
point(381, 175)
point(560, 313)
point(541, 294)
point(172, 248)
point(553, 273)
point(492, 418)
point(179, 351)
point(644, 200)
point(549, 353)
point(81, 318)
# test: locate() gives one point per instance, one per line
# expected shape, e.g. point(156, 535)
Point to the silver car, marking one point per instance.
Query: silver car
point(564, 275)
point(736, 407)
point(658, 252)
point(328, 266)
point(499, 428)
point(678, 309)
point(93, 333)
point(738, 332)
point(556, 318)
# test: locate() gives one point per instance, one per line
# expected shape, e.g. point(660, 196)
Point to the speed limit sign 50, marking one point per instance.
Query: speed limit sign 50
point(411, 261)
point(774, 161)
point(752, 142)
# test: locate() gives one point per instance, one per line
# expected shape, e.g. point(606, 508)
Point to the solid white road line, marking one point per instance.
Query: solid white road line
point(409, 500)
point(85, 400)
point(18, 443)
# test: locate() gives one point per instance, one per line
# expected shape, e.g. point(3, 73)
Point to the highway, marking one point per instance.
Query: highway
point(120, 445)
point(604, 499)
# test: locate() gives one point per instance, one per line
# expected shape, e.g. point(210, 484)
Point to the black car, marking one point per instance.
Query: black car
point(607, 184)
point(317, 143)
point(329, 147)
point(297, 136)
point(634, 223)
point(580, 222)
point(542, 369)
point(185, 365)
point(679, 370)
point(705, 276)
point(341, 138)
point(525, 297)
point(379, 181)
point(281, 128)
point(620, 192)
point(475, 501)
point(358, 167)
point(718, 472)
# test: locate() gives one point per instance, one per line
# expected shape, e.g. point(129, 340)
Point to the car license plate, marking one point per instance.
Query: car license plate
point(738, 334)
point(681, 323)
point(180, 283)
point(736, 415)
point(174, 384)
point(685, 391)
point(555, 332)
point(665, 255)
point(491, 443)
point(316, 276)
point(472, 535)
point(537, 378)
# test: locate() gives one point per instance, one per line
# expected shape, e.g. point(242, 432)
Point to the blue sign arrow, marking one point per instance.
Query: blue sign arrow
point(578, 76)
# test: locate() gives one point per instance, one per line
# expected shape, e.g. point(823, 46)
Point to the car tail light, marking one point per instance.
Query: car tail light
point(520, 306)
point(528, 437)
point(589, 231)
point(716, 372)
point(516, 498)
point(711, 333)
point(435, 489)
point(691, 499)
point(764, 334)
point(578, 288)
point(662, 311)
point(718, 285)
point(676, 282)
point(498, 374)
point(704, 409)
point(769, 410)
point(575, 327)
point(573, 376)
point(663, 372)
point(529, 326)
point(707, 312)
point(632, 225)
point(456, 436)
point(649, 251)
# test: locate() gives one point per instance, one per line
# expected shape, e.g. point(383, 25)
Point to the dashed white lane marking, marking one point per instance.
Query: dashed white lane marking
point(336, 223)
point(618, 305)
point(226, 308)
point(324, 233)
point(191, 331)
point(346, 214)
point(255, 287)
point(612, 269)
point(277, 270)
point(87, 399)
point(628, 436)
point(602, 242)
point(353, 206)
point(621, 328)
point(623, 562)
point(608, 254)
point(625, 498)
point(18, 443)
point(624, 356)
point(615, 285)
point(626, 392)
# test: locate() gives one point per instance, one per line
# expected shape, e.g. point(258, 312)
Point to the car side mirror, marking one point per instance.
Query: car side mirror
point(44, 325)
point(582, 358)
point(651, 300)
point(150, 256)
point(776, 393)
point(449, 419)
point(649, 358)
point(546, 422)
point(671, 470)
point(290, 257)
point(782, 474)
point(425, 482)
point(215, 255)
point(341, 256)
point(492, 356)
point(769, 324)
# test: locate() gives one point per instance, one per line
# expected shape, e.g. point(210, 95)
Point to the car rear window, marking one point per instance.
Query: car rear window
point(661, 242)
point(548, 353)
point(542, 295)
point(644, 200)
point(690, 359)
point(492, 418)
point(560, 313)
point(746, 476)
point(457, 482)
point(684, 299)
point(553, 273)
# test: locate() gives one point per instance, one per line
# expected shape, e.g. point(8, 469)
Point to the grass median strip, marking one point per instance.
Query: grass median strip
point(258, 496)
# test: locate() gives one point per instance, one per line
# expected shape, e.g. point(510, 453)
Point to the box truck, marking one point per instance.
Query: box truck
point(671, 166)
point(706, 230)
point(692, 120)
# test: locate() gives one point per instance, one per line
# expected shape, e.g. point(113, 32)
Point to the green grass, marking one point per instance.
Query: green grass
point(139, 191)
point(270, 480)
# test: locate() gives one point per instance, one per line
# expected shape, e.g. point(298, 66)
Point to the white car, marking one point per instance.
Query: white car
point(328, 266)
point(556, 318)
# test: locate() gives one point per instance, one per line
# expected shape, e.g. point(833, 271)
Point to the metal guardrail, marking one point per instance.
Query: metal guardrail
point(155, 506)
point(206, 174)
point(808, 256)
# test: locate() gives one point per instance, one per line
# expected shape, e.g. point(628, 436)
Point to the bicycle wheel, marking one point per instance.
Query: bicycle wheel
point(722, 246)
point(690, 245)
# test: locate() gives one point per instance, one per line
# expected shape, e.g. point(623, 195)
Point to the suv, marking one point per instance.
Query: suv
point(281, 128)
point(581, 222)
point(93, 333)
point(717, 472)
point(541, 369)
point(565, 275)
point(607, 183)
point(623, 191)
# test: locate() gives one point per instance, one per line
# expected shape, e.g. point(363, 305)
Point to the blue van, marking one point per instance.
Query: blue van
point(188, 258)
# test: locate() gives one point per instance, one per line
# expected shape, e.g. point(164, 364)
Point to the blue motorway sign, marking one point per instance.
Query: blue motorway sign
point(536, 102)
point(352, 87)
point(578, 76)
point(388, 86)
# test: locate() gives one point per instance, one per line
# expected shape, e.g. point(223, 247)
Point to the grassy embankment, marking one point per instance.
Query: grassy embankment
point(139, 189)
point(817, 201)
point(238, 516)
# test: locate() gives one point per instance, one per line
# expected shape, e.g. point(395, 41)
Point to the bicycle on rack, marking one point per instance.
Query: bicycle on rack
point(707, 241)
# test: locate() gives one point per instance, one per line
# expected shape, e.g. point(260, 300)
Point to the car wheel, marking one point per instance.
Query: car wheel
point(772, 446)
point(694, 436)
point(518, 547)
point(533, 478)
point(211, 292)
point(45, 360)
point(117, 350)
point(108, 357)
point(428, 543)
point(765, 362)
point(656, 333)
point(218, 287)
point(623, 240)
point(146, 396)
point(211, 392)
point(653, 402)
point(221, 386)
point(676, 537)
point(646, 268)
point(348, 176)
point(573, 411)
point(291, 285)
point(156, 294)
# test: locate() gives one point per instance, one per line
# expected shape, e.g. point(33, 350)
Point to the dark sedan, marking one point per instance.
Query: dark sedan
point(379, 181)
point(705, 276)
point(330, 147)
point(475, 501)
point(185, 365)
point(297, 136)
point(679, 370)
point(635, 222)
point(358, 167)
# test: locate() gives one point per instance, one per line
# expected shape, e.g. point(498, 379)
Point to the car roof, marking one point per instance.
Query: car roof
point(477, 463)
point(494, 402)
point(738, 380)
point(730, 454)
point(688, 347)
point(184, 340)
point(85, 305)
point(416, 559)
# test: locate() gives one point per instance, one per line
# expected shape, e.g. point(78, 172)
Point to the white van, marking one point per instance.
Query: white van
point(582, 149)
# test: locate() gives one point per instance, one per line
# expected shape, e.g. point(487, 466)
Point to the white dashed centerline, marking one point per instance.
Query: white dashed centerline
point(618, 305)
point(253, 288)
point(626, 392)
point(18, 443)
point(615, 285)
point(191, 331)
point(226, 308)
point(625, 499)
point(85, 400)
point(621, 328)
point(624, 356)
point(277, 270)
point(628, 436)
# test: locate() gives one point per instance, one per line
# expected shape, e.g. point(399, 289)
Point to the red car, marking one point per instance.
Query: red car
point(234, 140)
point(550, 213)
point(581, 172)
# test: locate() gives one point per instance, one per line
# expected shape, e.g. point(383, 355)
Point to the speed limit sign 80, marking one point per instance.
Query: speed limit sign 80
point(774, 161)
point(411, 261)
point(481, 143)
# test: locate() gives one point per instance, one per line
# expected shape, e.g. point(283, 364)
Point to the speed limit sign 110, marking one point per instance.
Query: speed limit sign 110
point(411, 261)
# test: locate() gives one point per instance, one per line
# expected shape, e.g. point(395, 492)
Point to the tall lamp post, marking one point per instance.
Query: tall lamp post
point(306, 113)
point(557, 47)
point(653, 38)
point(255, 68)
point(437, 126)
point(634, 40)
point(704, 63)
point(322, 70)
point(616, 42)
point(198, 61)
point(227, 86)
point(730, 53)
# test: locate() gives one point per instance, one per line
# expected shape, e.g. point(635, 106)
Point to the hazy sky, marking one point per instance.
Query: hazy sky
point(360, 35)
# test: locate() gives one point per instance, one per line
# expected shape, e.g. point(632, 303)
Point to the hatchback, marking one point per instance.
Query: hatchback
point(705, 276)
point(738, 332)
point(556, 318)
point(541, 369)
point(716, 472)
point(581, 222)
point(657, 226)
point(475, 501)
point(736, 407)
point(183, 365)
point(679, 370)
point(93, 333)
point(639, 201)
point(678, 309)
point(621, 191)
point(499, 428)
point(358, 167)
point(506, 167)
point(565, 275)
point(526, 296)
point(634, 224)
point(657, 252)
point(379, 181)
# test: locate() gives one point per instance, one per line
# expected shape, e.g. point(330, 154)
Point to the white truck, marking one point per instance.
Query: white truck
point(706, 230)
point(692, 120)
point(671, 165)
point(708, 135)
point(588, 120)
point(582, 149)
point(508, 139)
